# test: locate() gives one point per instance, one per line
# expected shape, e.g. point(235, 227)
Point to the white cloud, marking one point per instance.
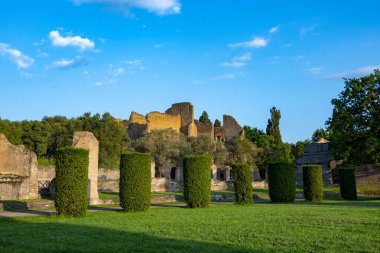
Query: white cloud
point(274, 29)
point(239, 61)
point(308, 29)
point(158, 46)
point(70, 63)
point(75, 41)
point(22, 60)
point(352, 73)
point(118, 72)
point(97, 84)
point(160, 7)
point(229, 76)
point(315, 70)
point(135, 63)
point(256, 42)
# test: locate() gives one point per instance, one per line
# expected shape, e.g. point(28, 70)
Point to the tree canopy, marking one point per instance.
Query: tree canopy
point(354, 126)
point(204, 118)
point(273, 126)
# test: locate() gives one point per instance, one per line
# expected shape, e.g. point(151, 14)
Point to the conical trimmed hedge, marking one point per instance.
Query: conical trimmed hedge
point(242, 175)
point(347, 183)
point(312, 182)
point(281, 181)
point(197, 181)
point(135, 181)
point(71, 165)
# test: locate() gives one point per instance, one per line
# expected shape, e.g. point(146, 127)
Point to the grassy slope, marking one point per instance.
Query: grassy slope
point(299, 227)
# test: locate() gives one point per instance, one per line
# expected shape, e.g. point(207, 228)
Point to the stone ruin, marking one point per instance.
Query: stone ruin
point(18, 171)
point(88, 141)
point(317, 153)
point(21, 178)
point(180, 117)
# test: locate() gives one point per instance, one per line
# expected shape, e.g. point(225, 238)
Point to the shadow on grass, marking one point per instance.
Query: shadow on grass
point(58, 236)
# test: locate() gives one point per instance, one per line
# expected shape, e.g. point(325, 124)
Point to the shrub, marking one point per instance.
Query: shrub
point(135, 181)
point(197, 181)
point(243, 183)
point(312, 182)
point(281, 181)
point(347, 183)
point(71, 165)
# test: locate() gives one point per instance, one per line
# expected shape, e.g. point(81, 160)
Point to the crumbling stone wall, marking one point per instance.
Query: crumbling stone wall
point(18, 171)
point(231, 127)
point(157, 120)
point(204, 129)
point(88, 141)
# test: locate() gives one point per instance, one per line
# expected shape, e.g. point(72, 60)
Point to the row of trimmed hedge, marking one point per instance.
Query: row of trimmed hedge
point(135, 181)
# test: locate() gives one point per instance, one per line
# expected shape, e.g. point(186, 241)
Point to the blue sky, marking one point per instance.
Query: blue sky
point(236, 57)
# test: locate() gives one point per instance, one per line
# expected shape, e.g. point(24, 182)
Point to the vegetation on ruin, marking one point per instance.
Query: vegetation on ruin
point(196, 180)
point(71, 181)
point(204, 118)
point(135, 181)
point(312, 182)
point(303, 227)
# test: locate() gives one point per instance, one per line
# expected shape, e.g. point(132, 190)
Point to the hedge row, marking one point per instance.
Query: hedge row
point(312, 182)
point(196, 179)
point(281, 181)
point(71, 166)
point(243, 183)
point(135, 181)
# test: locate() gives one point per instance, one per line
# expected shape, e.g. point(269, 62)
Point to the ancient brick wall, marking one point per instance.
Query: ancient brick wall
point(157, 120)
point(231, 128)
point(204, 129)
point(88, 141)
point(18, 171)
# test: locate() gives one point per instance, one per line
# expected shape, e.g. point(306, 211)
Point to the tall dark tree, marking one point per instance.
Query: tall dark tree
point(217, 123)
point(273, 126)
point(204, 118)
point(354, 126)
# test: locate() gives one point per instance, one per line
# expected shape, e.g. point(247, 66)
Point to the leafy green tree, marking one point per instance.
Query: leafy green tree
point(273, 126)
point(297, 149)
point(166, 146)
point(217, 123)
point(242, 150)
point(320, 133)
point(12, 130)
point(204, 118)
point(205, 145)
point(354, 126)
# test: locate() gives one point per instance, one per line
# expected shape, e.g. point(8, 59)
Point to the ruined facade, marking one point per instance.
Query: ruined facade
point(87, 140)
point(180, 117)
point(18, 171)
point(317, 153)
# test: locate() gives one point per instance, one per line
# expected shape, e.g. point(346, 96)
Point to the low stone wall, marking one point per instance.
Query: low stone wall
point(9, 206)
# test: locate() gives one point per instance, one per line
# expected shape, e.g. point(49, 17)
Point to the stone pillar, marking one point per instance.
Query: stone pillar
point(88, 141)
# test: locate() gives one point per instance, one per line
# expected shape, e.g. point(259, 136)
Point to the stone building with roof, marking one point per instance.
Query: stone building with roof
point(317, 153)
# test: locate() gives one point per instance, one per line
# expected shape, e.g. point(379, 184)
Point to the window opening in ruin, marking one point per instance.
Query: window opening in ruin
point(157, 172)
point(221, 174)
point(173, 173)
point(231, 175)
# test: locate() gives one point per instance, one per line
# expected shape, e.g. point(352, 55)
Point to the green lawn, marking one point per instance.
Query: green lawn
point(299, 227)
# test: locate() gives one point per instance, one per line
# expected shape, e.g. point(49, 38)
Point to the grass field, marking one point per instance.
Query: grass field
point(329, 226)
